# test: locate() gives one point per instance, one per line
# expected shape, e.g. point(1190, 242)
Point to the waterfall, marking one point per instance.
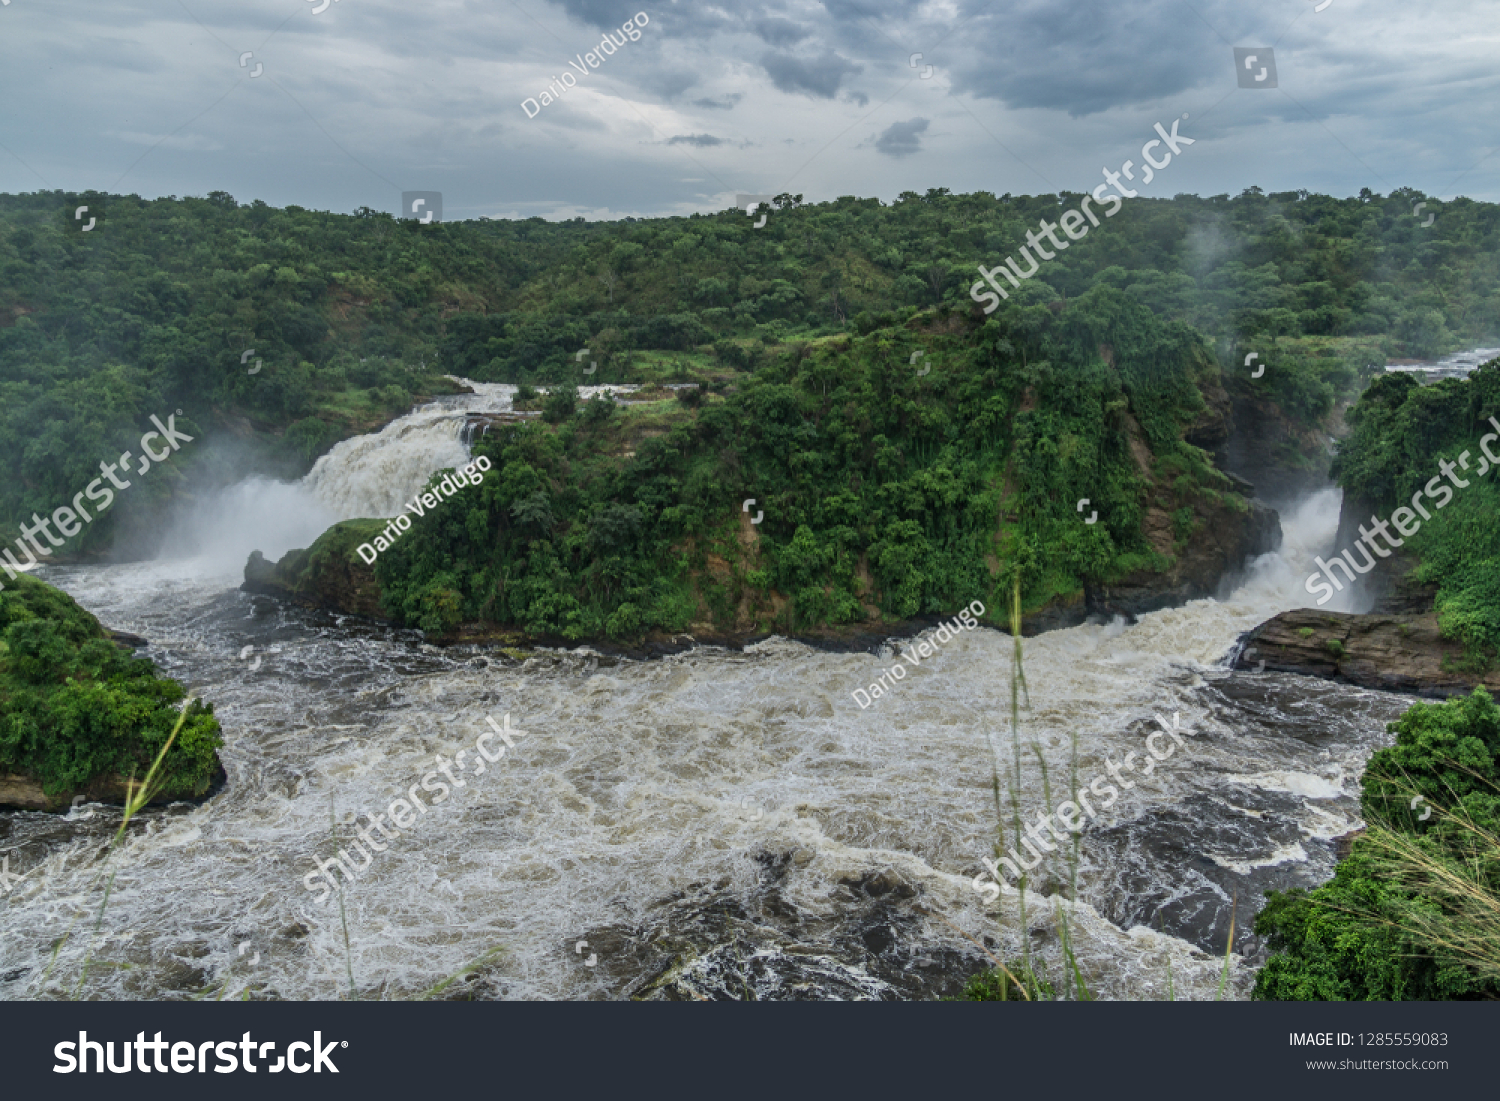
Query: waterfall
point(373, 475)
point(366, 476)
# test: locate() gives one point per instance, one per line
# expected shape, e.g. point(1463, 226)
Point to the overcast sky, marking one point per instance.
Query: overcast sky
point(359, 100)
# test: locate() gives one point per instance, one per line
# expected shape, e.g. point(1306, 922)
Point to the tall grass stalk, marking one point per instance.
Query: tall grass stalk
point(1073, 981)
point(474, 964)
point(333, 831)
point(136, 799)
point(1229, 946)
point(1465, 922)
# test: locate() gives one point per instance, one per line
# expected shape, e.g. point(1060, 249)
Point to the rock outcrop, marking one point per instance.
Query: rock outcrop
point(330, 574)
point(25, 793)
point(1399, 653)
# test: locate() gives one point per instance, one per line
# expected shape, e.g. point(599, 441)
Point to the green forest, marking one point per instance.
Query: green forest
point(1400, 432)
point(847, 440)
point(353, 317)
point(886, 492)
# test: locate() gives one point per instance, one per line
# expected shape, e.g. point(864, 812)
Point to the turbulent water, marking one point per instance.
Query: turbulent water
point(710, 824)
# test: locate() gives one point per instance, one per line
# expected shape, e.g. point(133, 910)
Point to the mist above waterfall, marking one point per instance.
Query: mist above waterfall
point(365, 476)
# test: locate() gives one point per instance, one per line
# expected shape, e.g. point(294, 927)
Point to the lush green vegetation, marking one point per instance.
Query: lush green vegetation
point(1414, 911)
point(1401, 432)
point(1009, 984)
point(884, 489)
point(74, 706)
point(350, 314)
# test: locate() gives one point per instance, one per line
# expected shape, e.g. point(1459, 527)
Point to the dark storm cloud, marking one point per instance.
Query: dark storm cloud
point(902, 139)
point(1088, 55)
point(780, 32)
point(720, 103)
point(675, 18)
point(813, 76)
point(373, 97)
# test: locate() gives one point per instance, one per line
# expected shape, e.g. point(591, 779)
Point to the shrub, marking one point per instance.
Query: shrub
point(598, 409)
point(74, 706)
point(1413, 912)
point(561, 404)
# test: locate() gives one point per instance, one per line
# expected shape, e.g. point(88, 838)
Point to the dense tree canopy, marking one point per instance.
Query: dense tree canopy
point(157, 307)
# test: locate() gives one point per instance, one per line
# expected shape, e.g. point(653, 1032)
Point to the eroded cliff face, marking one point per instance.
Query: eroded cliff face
point(1255, 439)
point(1227, 539)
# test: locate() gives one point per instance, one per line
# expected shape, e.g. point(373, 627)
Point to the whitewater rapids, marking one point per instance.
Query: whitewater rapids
point(653, 808)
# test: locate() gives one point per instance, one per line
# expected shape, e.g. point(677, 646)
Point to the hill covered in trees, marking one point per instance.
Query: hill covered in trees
point(352, 316)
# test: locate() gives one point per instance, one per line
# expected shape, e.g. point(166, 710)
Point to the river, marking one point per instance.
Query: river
point(711, 824)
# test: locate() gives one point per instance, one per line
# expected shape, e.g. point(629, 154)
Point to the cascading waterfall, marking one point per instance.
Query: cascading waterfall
point(366, 476)
point(373, 475)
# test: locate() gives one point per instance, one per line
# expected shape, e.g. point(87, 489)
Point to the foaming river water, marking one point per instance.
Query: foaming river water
point(714, 823)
